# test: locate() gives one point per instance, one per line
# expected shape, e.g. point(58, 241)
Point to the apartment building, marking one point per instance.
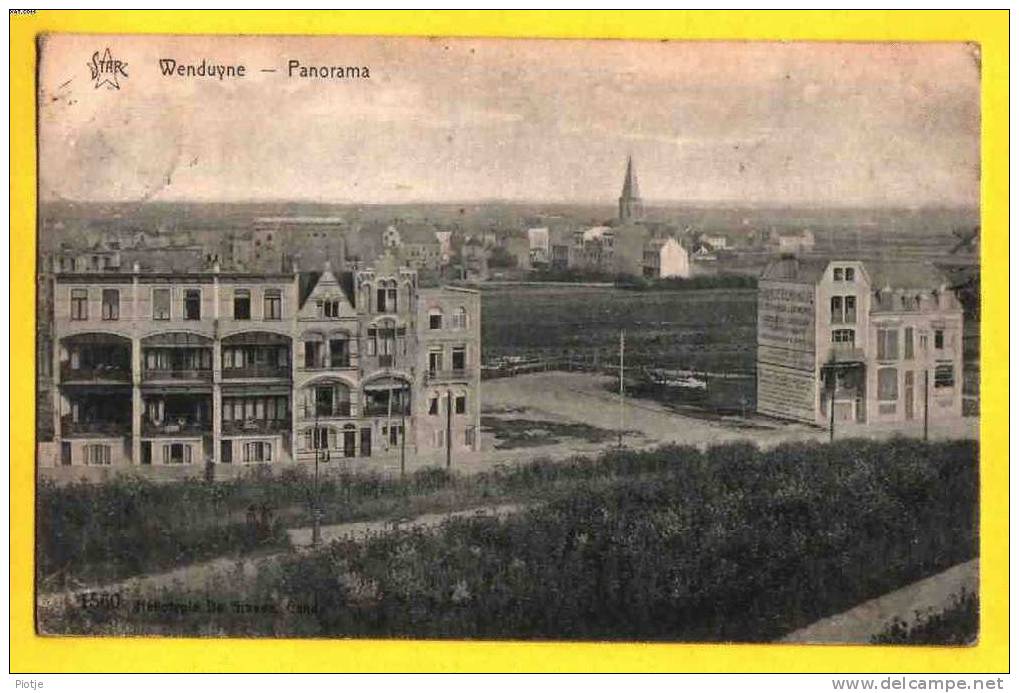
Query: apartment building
point(214, 367)
point(879, 341)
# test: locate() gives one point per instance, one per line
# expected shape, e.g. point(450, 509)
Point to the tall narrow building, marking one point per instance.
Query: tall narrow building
point(631, 207)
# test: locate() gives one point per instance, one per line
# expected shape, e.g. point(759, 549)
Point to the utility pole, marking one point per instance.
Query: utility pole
point(449, 429)
point(926, 401)
point(622, 351)
point(316, 522)
point(403, 439)
point(831, 405)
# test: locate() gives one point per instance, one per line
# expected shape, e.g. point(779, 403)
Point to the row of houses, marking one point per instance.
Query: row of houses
point(231, 368)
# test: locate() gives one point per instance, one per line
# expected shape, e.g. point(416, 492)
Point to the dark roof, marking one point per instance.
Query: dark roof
point(882, 273)
point(306, 283)
point(420, 234)
point(904, 275)
point(795, 269)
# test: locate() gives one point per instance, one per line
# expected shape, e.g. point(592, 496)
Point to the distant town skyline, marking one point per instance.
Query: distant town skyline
point(543, 122)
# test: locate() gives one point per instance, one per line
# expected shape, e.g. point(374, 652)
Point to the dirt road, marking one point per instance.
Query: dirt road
point(862, 622)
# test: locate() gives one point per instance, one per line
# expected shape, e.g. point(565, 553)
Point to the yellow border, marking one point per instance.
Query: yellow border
point(30, 653)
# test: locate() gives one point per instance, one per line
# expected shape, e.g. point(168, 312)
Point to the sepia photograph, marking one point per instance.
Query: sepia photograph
point(508, 339)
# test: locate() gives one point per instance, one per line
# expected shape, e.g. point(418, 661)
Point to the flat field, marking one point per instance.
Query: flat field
point(707, 330)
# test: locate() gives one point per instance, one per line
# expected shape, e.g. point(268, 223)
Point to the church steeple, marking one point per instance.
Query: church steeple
point(631, 207)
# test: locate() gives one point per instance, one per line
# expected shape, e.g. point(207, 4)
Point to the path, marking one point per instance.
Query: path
point(247, 567)
point(359, 531)
point(862, 622)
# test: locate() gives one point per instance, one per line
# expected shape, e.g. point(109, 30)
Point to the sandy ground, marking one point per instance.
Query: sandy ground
point(862, 622)
point(584, 398)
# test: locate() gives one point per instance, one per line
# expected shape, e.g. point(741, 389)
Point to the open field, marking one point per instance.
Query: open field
point(730, 544)
point(713, 330)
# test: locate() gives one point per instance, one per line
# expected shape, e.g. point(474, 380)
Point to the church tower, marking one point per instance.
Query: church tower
point(631, 207)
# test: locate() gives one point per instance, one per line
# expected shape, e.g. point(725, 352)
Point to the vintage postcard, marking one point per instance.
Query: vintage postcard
point(508, 339)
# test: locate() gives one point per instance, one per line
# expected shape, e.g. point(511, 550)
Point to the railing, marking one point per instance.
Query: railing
point(386, 360)
point(338, 409)
point(384, 410)
point(453, 374)
point(845, 354)
point(323, 364)
point(264, 371)
point(112, 429)
point(102, 372)
point(176, 427)
point(177, 374)
point(234, 428)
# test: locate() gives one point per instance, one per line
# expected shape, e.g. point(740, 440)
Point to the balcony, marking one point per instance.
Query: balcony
point(845, 354)
point(255, 426)
point(375, 409)
point(264, 371)
point(177, 375)
point(452, 375)
point(105, 429)
point(177, 427)
point(340, 409)
point(96, 373)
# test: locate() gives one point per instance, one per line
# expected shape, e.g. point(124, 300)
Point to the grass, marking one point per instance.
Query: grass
point(958, 624)
point(674, 544)
point(527, 433)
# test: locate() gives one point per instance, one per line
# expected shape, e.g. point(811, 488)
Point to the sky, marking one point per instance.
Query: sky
point(444, 120)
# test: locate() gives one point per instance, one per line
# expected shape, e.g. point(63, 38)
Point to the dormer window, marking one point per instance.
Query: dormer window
point(329, 309)
point(850, 274)
point(839, 274)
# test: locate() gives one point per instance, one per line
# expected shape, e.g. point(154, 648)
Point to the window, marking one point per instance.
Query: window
point(371, 345)
point(843, 309)
point(838, 274)
point(847, 337)
point(97, 455)
point(79, 304)
point(258, 452)
point(460, 404)
point(273, 305)
point(242, 304)
point(192, 304)
point(944, 375)
point(313, 356)
point(907, 343)
point(939, 339)
point(385, 299)
point(339, 353)
point(434, 361)
point(924, 341)
point(887, 344)
point(887, 384)
point(111, 304)
point(850, 304)
point(469, 436)
point(435, 320)
point(433, 405)
point(176, 453)
point(160, 304)
point(329, 309)
point(459, 358)
point(319, 439)
point(324, 400)
point(850, 274)
point(836, 309)
point(460, 319)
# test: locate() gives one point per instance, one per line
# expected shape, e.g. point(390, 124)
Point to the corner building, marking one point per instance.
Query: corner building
point(184, 370)
point(882, 341)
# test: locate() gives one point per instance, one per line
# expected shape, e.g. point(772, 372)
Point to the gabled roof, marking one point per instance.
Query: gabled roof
point(904, 275)
point(882, 273)
point(420, 234)
point(309, 282)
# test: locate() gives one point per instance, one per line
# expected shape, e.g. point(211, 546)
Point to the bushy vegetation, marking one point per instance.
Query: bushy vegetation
point(708, 281)
point(674, 544)
point(92, 533)
point(958, 624)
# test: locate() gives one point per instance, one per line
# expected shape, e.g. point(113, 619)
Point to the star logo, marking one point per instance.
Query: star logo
point(105, 69)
